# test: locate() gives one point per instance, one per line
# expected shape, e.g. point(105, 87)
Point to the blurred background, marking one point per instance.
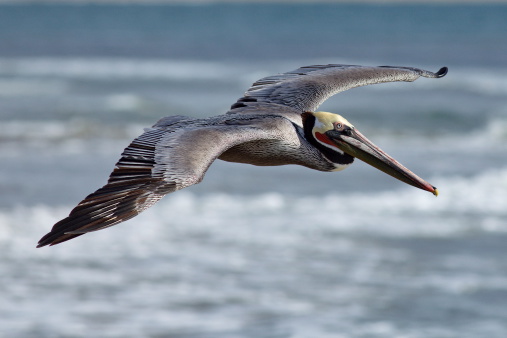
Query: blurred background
point(254, 252)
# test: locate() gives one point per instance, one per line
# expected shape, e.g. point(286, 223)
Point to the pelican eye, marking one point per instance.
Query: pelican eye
point(338, 126)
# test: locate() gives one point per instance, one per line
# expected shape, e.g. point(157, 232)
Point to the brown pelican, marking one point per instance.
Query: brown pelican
point(274, 123)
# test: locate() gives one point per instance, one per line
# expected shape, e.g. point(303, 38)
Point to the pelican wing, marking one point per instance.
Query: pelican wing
point(173, 154)
point(306, 88)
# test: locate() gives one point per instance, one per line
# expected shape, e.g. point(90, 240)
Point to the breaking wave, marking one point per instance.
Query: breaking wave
point(466, 204)
point(114, 68)
point(28, 70)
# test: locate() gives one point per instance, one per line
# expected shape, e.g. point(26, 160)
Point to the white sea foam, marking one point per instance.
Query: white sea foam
point(219, 262)
point(476, 80)
point(115, 68)
point(31, 87)
point(482, 81)
point(51, 131)
point(465, 204)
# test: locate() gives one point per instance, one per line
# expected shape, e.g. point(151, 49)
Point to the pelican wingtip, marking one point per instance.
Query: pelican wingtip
point(441, 72)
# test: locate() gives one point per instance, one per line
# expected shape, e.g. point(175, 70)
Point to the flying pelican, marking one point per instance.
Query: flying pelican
point(274, 123)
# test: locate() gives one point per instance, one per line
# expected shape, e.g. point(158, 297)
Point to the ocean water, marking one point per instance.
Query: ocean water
point(252, 251)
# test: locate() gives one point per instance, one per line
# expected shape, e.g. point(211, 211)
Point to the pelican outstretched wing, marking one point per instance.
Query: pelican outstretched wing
point(177, 151)
point(173, 154)
point(306, 88)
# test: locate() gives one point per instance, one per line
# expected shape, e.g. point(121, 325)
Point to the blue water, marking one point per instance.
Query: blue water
point(450, 34)
point(255, 252)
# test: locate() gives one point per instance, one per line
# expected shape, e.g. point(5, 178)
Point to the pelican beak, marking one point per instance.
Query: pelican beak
point(356, 144)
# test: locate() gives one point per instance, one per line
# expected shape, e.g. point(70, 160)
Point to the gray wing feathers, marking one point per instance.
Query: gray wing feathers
point(158, 162)
point(307, 87)
point(131, 188)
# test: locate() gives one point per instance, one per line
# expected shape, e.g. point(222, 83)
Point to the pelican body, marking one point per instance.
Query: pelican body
point(274, 123)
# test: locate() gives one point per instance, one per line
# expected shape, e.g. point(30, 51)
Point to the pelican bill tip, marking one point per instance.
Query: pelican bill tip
point(435, 191)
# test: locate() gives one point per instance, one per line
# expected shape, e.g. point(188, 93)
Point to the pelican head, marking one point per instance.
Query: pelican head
point(340, 142)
